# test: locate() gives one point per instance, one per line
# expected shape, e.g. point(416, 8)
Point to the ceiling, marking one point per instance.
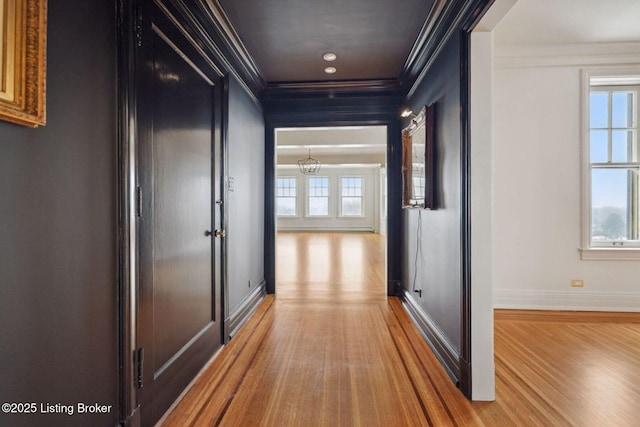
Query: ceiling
point(332, 144)
point(287, 38)
point(373, 39)
point(548, 22)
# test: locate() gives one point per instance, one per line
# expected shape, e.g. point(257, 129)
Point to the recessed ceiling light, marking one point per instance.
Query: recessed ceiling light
point(329, 56)
point(330, 70)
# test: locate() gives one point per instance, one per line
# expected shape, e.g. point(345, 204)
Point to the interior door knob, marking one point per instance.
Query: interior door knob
point(220, 233)
point(208, 233)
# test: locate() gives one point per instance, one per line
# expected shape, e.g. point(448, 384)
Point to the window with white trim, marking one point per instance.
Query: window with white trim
point(419, 180)
point(351, 196)
point(613, 165)
point(286, 196)
point(318, 196)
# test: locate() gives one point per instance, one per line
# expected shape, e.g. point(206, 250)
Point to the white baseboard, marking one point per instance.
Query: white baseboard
point(556, 300)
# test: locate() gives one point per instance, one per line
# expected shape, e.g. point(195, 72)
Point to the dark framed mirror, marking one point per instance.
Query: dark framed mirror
point(418, 161)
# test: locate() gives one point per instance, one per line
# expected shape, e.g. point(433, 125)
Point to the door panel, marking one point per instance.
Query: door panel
point(182, 104)
point(179, 299)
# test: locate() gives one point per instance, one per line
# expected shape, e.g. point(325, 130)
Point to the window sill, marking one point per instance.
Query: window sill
point(610, 254)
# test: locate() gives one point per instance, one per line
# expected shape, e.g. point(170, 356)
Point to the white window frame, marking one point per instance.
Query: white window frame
point(362, 196)
point(308, 197)
point(295, 214)
point(621, 76)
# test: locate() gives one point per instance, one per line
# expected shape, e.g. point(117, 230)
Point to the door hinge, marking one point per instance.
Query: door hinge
point(138, 360)
point(138, 202)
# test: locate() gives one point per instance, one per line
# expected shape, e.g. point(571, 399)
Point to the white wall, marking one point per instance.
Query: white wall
point(537, 188)
point(368, 222)
point(482, 229)
point(483, 381)
point(382, 227)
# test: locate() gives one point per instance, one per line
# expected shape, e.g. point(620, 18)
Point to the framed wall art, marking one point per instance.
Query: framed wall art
point(23, 25)
point(418, 161)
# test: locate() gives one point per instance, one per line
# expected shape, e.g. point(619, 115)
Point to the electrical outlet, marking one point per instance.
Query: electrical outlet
point(577, 283)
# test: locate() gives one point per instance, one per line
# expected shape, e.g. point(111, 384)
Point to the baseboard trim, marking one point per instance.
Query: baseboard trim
point(246, 308)
point(133, 420)
point(436, 339)
point(465, 378)
point(573, 301)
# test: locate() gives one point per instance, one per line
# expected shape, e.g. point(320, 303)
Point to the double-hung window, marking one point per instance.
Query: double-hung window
point(286, 196)
point(351, 196)
point(318, 196)
point(419, 180)
point(614, 166)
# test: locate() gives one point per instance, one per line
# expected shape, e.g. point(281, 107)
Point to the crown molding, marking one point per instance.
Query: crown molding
point(564, 55)
point(436, 11)
point(333, 88)
point(444, 19)
point(208, 36)
point(219, 18)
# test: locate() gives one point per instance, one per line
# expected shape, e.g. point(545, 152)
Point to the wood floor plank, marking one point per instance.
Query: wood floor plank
point(331, 349)
point(457, 408)
point(566, 368)
point(334, 369)
point(221, 376)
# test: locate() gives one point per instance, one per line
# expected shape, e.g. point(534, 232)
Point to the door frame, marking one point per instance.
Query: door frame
point(127, 15)
point(394, 180)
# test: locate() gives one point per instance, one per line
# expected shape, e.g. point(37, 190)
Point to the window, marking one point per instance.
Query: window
point(286, 196)
point(418, 180)
point(351, 196)
point(318, 196)
point(613, 165)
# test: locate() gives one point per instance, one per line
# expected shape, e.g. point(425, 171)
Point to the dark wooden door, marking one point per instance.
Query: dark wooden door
point(179, 301)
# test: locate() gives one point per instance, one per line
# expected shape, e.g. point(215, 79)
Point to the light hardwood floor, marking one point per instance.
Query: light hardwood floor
point(332, 350)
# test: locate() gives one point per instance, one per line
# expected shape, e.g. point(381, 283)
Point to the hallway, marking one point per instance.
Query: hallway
point(329, 349)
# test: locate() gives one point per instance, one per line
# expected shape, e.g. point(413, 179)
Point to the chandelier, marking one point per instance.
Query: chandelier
point(309, 166)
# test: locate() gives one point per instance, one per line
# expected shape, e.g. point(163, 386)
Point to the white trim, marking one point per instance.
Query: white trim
point(482, 216)
point(325, 146)
point(335, 166)
point(325, 228)
point(308, 196)
point(585, 158)
point(579, 54)
point(362, 197)
point(494, 16)
point(334, 220)
point(578, 300)
point(296, 214)
point(588, 250)
point(610, 254)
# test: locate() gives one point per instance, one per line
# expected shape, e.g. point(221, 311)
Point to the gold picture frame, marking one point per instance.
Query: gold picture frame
point(23, 38)
point(419, 161)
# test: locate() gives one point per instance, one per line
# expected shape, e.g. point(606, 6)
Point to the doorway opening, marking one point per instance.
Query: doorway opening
point(331, 211)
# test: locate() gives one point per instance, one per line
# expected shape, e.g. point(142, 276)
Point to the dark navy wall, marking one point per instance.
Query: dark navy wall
point(58, 282)
point(439, 261)
point(245, 207)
